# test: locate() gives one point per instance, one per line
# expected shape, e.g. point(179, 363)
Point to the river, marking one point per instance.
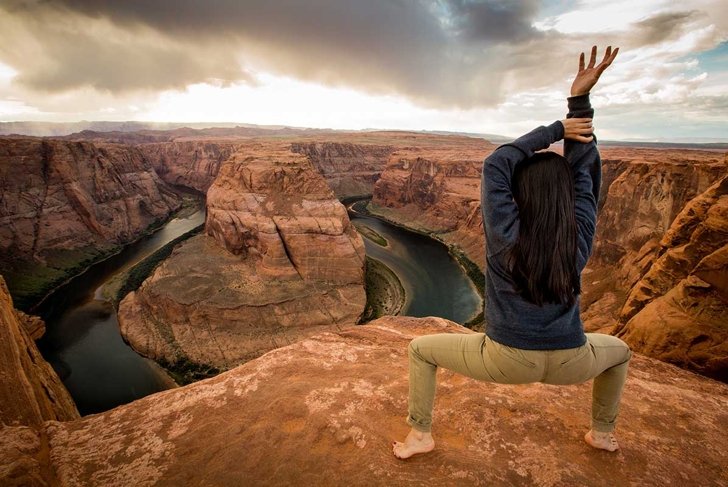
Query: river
point(83, 343)
point(82, 340)
point(434, 283)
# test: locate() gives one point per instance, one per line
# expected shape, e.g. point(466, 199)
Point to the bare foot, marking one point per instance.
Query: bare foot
point(416, 442)
point(604, 441)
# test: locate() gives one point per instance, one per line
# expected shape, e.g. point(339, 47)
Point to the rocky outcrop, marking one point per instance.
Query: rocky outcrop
point(323, 411)
point(190, 163)
point(30, 390)
point(434, 186)
point(65, 204)
point(643, 191)
point(676, 310)
point(350, 169)
point(280, 260)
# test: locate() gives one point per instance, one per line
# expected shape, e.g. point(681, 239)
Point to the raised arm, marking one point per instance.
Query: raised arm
point(582, 152)
point(500, 212)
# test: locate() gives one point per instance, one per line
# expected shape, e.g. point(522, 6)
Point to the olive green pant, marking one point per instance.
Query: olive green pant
point(604, 358)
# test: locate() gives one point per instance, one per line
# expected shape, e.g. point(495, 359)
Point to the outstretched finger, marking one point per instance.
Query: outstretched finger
point(607, 54)
point(581, 62)
point(613, 56)
point(593, 58)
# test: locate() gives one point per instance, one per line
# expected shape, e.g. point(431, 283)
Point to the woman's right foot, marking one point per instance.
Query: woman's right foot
point(603, 441)
point(416, 442)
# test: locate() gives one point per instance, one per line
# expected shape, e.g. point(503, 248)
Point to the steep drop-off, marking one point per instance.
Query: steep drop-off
point(677, 309)
point(434, 186)
point(190, 163)
point(65, 204)
point(643, 191)
point(280, 260)
point(30, 390)
point(349, 169)
point(323, 411)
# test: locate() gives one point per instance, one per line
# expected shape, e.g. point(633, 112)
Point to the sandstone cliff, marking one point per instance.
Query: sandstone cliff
point(65, 204)
point(323, 411)
point(643, 191)
point(434, 186)
point(279, 261)
point(30, 390)
point(190, 163)
point(349, 169)
point(677, 309)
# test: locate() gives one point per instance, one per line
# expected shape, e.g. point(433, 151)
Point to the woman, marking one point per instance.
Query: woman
point(539, 214)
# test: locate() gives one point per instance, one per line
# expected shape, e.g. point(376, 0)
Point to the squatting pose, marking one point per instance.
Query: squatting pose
point(539, 215)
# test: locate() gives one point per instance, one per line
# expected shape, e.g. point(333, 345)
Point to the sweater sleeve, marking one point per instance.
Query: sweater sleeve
point(586, 167)
point(500, 212)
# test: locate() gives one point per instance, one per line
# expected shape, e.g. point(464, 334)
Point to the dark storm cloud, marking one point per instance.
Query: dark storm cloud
point(662, 27)
point(411, 47)
point(436, 52)
point(494, 20)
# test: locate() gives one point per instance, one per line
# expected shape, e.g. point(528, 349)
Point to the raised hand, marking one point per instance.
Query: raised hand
point(588, 76)
point(578, 129)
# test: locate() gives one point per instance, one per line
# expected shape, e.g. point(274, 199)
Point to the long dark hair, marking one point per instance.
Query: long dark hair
point(543, 260)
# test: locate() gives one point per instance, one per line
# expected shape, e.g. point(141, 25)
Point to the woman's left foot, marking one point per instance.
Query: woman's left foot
point(416, 442)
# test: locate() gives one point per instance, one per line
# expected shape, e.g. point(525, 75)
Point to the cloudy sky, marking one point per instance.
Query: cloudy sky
point(464, 65)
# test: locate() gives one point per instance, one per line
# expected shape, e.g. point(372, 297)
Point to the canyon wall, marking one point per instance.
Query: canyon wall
point(349, 169)
point(677, 309)
point(324, 411)
point(643, 191)
point(279, 260)
point(65, 204)
point(433, 185)
point(30, 390)
point(190, 163)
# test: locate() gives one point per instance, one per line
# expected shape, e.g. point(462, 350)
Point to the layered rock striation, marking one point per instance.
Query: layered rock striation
point(643, 191)
point(190, 163)
point(280, 260)
point(350, 169)
point(30, 390)
point(677, 309)
point(323, 411)
point(65, 204)
point(433, 185)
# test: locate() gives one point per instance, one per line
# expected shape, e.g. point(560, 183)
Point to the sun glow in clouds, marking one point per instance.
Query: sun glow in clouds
point(277, 100)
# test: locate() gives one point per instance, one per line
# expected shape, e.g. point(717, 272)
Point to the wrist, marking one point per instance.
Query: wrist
point(579, 104)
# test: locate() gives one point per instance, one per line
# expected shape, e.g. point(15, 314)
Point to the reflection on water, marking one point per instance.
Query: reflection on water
point(434, 282)
point(82, 340)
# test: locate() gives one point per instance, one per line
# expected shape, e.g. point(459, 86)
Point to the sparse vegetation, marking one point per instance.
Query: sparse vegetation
point(385, 294)
point(134, 277)
point(471, 269)
point(184, 371)
point(372, 235)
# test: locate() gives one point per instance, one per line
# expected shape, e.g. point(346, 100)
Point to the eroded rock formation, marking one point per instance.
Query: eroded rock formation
point(30, 390)
point(190, 163)
point(323, 411)
point(66, 203)
point(280, 260)
point(677, 309)
point(350, 169)
point(643, 191)
point(434, 186)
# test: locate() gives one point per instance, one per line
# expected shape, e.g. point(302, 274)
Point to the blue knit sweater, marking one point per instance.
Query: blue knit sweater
point(510, 319)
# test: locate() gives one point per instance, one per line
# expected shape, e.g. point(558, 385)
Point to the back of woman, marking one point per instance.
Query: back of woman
point(539, 215)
